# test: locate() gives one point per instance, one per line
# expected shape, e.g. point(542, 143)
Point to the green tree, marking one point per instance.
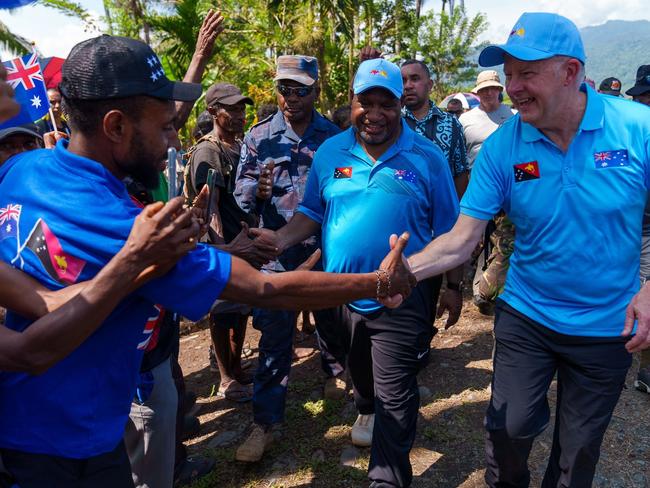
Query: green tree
point(446, 43)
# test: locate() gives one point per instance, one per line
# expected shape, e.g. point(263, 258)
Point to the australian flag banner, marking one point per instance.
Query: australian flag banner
point(25, 77)
point(9, 4)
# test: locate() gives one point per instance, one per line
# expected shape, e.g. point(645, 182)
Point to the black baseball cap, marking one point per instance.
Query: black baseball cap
point(26, 129)
point(642, 84)
point(610, 86)
point(116, 67)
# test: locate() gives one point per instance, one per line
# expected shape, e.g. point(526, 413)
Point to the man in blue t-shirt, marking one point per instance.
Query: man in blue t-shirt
point(71, 214)
point(572, 171)
point(365, 183)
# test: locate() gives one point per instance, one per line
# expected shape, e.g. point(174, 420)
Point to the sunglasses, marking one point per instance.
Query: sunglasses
point(301, 91)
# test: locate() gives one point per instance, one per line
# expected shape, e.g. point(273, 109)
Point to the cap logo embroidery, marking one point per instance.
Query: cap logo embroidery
point(647, 79)
point(518, 31)
point(616, 85)
point(156, 68)
point(377, 72)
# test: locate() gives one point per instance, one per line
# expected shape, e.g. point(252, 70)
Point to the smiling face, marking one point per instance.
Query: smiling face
point(540, 90)
point(376, 114)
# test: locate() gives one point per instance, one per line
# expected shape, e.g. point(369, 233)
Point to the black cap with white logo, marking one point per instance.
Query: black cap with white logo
point(117, 67)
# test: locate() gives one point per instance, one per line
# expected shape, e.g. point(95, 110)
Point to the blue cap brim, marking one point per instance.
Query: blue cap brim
point(493, 55)
point(369, 86)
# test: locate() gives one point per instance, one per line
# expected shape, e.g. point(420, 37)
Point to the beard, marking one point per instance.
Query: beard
point(143, 165)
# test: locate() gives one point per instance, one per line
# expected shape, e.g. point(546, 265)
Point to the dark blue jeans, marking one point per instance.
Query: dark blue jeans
point(274, 363)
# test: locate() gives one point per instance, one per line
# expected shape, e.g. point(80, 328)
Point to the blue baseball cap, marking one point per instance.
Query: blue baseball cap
point(378, 73)
point(535, 36)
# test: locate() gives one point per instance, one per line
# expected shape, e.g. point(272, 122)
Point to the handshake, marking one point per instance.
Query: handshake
point(394, 278)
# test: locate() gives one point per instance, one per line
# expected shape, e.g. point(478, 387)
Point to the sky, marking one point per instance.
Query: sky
point(55, 34)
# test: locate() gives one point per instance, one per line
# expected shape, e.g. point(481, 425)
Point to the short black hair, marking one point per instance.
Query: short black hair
point(266, 110)
point(204, 125)
point(341, 116)
point(85, 116)
point(421, 63)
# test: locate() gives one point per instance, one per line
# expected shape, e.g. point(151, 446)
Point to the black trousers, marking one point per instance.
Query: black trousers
point(109, 470)
point(387, 350)
point(590, 376)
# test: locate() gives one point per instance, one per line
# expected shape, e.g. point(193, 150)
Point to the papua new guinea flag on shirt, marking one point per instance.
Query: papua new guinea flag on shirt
point(60, 265)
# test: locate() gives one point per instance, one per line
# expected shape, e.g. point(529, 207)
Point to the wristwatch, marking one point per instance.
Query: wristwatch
point(456, 286)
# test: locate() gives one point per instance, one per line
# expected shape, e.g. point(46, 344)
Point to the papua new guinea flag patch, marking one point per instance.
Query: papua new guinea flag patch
point(343, 172)
point(526, 171)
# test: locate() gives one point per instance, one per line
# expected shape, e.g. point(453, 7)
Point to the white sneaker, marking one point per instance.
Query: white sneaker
point(362, 430)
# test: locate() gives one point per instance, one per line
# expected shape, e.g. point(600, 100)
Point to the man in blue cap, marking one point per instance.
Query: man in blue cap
point(376, 177)
point(571, 170)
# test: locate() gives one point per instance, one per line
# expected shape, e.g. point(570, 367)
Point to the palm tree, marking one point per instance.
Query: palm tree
point(17, 44)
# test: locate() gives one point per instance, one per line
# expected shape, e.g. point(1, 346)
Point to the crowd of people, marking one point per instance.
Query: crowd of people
point(360, 219)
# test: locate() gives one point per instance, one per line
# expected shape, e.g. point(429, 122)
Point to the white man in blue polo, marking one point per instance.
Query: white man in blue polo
point(571, 169)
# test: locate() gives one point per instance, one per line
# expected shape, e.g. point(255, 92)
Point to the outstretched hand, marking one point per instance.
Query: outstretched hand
point(161, 235)
point(310, 262)
point(402, 281)
point(639, 310)
point(255, 253)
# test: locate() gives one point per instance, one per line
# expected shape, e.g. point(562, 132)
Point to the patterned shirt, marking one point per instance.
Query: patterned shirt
point(444, 131)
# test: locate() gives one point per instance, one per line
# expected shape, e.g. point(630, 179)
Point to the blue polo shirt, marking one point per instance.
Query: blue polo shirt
point(359, 204)
point(577, 215)
point(70, 216)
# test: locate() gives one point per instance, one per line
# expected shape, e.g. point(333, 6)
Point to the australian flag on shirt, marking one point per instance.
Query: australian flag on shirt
point(25, 77)
point(611, 159)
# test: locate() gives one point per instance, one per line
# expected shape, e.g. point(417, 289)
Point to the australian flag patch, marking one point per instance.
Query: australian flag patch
point(611, 159)
point(526, 171)
point(406, 175)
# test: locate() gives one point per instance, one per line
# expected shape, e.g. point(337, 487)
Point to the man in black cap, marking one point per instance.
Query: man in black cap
point(219, 150)
point(64, 428)
point(15, 140)
point(610, 86)
point(640, 92)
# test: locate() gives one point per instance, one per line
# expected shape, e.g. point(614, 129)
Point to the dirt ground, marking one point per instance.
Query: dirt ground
point(313, 448)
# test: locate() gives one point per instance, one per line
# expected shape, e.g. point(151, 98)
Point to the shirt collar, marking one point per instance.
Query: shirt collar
point(279, 124)
point(88, 168)
point(593, 118)
point(433, 112)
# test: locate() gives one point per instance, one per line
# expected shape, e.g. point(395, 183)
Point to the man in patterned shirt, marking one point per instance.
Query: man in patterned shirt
point(442, 128)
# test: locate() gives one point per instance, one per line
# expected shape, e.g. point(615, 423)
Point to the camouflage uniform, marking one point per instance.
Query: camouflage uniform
point(273, 140)
point(490, 276)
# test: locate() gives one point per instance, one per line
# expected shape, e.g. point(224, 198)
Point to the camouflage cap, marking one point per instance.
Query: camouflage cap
point(303, 69)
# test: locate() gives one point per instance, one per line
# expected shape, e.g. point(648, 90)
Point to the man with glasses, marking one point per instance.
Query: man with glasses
point(275, 160)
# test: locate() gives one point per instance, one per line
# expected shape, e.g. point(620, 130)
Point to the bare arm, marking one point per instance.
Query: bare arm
point(449, 250)
point(210, 29)
point(309, 290)
point(158, 239)
point(299, 228)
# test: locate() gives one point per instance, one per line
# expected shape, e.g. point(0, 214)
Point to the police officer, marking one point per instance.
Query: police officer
point(275, 160)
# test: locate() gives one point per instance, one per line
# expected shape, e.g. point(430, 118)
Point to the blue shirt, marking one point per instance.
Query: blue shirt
point(359, 204)
point(577, 215)
point(74, 215)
